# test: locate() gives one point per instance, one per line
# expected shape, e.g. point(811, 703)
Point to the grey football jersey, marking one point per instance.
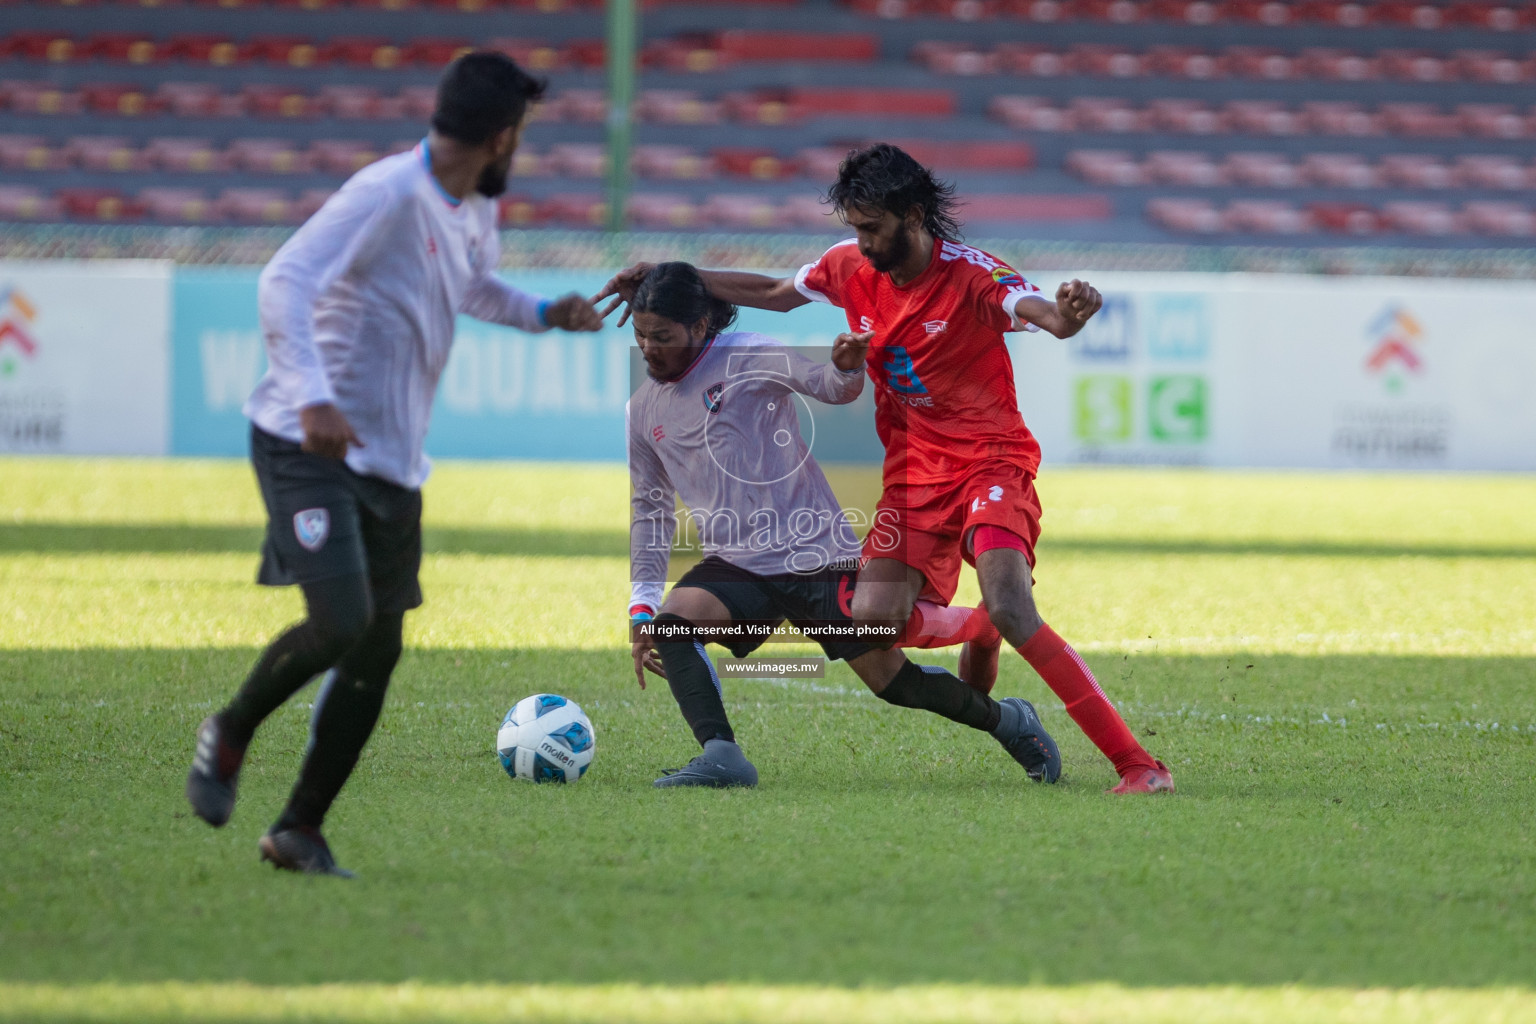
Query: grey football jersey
point(725, 438)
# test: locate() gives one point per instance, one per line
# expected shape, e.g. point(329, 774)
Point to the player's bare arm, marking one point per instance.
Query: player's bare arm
point(1076, 302)
point(326, 431)
point(849, 351)
point(739, 289)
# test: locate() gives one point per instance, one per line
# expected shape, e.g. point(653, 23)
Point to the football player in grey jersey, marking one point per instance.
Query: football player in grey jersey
point(715, 423)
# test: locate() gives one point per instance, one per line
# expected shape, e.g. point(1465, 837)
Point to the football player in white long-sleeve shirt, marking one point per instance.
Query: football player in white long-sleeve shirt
point(715, 424)
point(357, 313)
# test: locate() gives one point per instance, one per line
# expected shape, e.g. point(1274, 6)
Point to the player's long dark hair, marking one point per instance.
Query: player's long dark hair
point(676, 291)
point(883, 177)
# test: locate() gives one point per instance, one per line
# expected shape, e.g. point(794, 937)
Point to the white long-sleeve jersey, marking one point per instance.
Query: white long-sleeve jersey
point(358, 308)
point(725, 438)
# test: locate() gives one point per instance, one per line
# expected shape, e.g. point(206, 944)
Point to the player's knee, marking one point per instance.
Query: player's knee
point(878, 618)
point(1017, 620)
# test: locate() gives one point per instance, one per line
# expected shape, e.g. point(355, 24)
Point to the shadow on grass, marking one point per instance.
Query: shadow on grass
point(168, 538)
point(1346, 820)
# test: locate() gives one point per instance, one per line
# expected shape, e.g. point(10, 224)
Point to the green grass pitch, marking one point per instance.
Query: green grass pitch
point(1340, 669)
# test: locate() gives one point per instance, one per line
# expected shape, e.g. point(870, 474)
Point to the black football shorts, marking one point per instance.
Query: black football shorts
point(819, 602)
point(325, 521)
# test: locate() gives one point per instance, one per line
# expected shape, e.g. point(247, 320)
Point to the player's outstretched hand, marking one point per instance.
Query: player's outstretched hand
point(326, 431)
point(621, 288)
point(646, 659)
point(849, 350)
point(574, 313)
point(1077, 301)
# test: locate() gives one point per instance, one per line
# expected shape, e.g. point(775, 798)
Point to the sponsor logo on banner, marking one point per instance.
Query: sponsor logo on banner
point(1393, 430)
point(1110, 336)
point(31, 415)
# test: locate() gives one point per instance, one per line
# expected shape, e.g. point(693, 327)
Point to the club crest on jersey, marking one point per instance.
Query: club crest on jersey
point(936, 326)
point(1008, 277)
point(312, 526)
point(712, 396)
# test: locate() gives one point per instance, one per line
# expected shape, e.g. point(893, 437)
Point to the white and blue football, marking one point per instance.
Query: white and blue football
point(546, 738)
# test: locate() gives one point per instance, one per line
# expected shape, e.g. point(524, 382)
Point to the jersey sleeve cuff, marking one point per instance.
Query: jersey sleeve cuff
point(806, 290)
point(1010, 307)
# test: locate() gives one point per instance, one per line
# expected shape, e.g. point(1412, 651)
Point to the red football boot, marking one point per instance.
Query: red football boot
point(1146, 780)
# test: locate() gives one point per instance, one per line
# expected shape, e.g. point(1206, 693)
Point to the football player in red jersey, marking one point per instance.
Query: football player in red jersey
point(960, 464)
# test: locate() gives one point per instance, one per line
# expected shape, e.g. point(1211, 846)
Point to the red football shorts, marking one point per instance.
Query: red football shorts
point(929, 526)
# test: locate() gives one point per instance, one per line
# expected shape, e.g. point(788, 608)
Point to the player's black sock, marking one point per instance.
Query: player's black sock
point(933, 689)
point(693, 683)
point(339, 611)
point(348, 710)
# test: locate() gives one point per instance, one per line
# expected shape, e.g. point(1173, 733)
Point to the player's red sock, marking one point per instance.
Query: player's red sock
point(935, 625)
point(1066, 674)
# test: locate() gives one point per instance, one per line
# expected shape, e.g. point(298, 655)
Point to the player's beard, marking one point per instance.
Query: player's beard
point(895, 256)
point(493, 181)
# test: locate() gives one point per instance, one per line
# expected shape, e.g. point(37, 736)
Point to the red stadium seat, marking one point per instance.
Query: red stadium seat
point(307, 5)
point(517, 211)
point(1491, 66)
point(662, 212)
point(1259, 62)
point(1337, 65)
point(1491, 120)
point(1429, 17)
point(1263, 170)
point(1009, 207)
point(1196, 216)
point(966, 10)
point(1345, 218)
point(1490, 171)
point(1416, 66)
point(1106, 167)
point(1191, 12)
point(675, 106)
point(341, 156)
point(54, 47)
point(1105, 61)
point(588, 106)
point(1340, 170)
point(575, 210)
point(179, 206)
point(1030, 113)
point(349, 102)
point(127, 47)
point(183, 156)
point(419, 101)
point(532, 54)
point(363, 52)
point(1418, 218)
point(258, 206)
point(1422, 119)
point(1491, 218)
point(529, 162)
point(199, 99)
point(385, 5)
point(1264, 117)
point(1345, 14)
point(1184, 62)
point(1035, 60)
point(42, 98)
point(949, 58)
point(1266, 216)
point(856, 102)
point(1118, 12)
point(673, 162)
point(219, 51)
point(269, 156)
point(842, 47)
point(820, 163)
point(434, 53)
point(105, 153)
point(24, 202)
point(760, 164)
point(1493, 15)
point(98, 204)
point(1187, 117)
point(281, 101)
point(294, 51)
point(1331, 117)
point(577, 160)
point(31, 153)
point(1179, 167)
point(810, 213)
point(121, 100)
point(1273, 13)
point(980, 155)
point(693, 52)
point(1412, 170)
point(1107, 114)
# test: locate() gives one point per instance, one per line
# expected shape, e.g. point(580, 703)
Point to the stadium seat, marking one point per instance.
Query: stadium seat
point(994, 206)
point(741, 210)
point(351, 102)
point(1419, 119)
point(951, 58)
point(362, 52)
point(110, 153)
point(675, 106)
point(1491, 171)
point(577, 160)
point(1412, 170)
point(310, 200)
point(418, 101)
point(529, 162)
point(660, 211)
point(343, 157)
point(761, 164)
point(185, 156)
point(1184, 62)
point(1262, 170)
point(1337, 65)
point(1339, 170)
point(673, 162)
point(1104, 61)
point(1117, 12)
point(811, 213)
point(1030, 113)
point(1106, 167)
point(1185, 116)
point(1491, 120)
point(258, 206)
point(278, 101)
point(126, 47)
point(1336, 117)
point(1336, 13)
point(1107, 114)
point(293, 51)
point(1270, 13)
point(31, 153)
point(1421, 218)
point(692, 52)
point(179, 206)
point(98, 204)
point(121, 100)
point(1494, 16)
point(217, 50)
point(198, 99)
point(1196, 216)
point(1491, 66)
point(762, 106)
point(434, 52)
point(517, 210)
point(1266, 216)
point(1035, 60)
point(573, 210)
point(841, 47)
point(42, 98)
point(1180, 167)
point(970, 155)
point(24, 202)
point(1259, 62)
point(1415, 66)
point(532, 54)
point(269, 156)
point(1493, 218)
point(820, 163)
point(1345, 218)
point(1264, 117)
point(588, 106)
point(53, 47)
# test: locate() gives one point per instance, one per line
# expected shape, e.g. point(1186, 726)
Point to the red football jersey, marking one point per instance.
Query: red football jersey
point(944, 396)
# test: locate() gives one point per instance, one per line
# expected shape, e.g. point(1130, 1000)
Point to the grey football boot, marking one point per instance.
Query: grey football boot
point(215, 774)
point(1022, 735)
point(721, 766)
